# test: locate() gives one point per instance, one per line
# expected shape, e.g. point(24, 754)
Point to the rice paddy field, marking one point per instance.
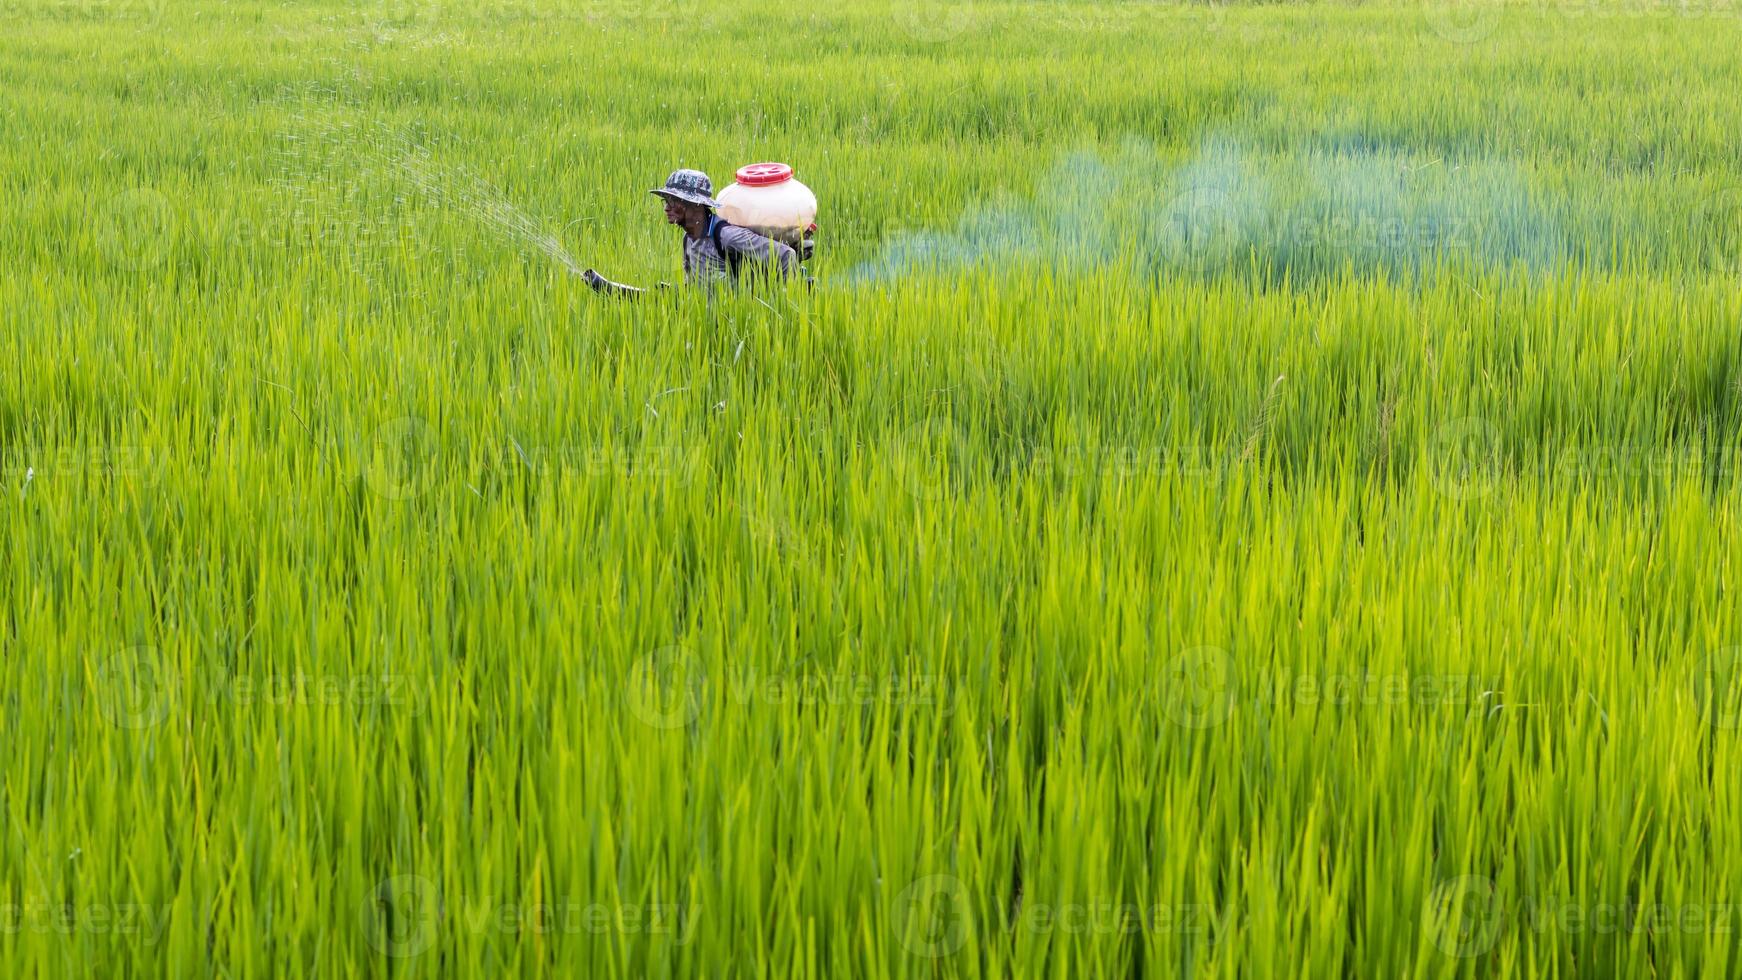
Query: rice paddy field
point(1254, 491)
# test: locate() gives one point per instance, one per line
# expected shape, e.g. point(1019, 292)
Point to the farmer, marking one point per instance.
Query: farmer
point(714, 250)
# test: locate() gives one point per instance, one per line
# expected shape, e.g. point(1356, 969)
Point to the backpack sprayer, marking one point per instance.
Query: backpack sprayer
point(770, 201)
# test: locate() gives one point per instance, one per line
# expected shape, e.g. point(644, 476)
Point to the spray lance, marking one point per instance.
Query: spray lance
point(605, 286)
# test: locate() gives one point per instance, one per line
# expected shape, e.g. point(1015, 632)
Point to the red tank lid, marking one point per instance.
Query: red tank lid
point(763, 174)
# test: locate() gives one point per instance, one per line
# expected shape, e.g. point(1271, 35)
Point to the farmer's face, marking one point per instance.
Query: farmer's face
point(675, 211)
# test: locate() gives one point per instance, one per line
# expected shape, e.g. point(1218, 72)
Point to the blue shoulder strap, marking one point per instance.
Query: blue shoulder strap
point(716, 225)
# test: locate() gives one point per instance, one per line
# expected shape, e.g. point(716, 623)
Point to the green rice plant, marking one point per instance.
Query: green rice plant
point(1252, 492)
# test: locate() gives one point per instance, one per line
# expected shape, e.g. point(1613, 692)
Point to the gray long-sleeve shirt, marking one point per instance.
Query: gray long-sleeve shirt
point(704, 264)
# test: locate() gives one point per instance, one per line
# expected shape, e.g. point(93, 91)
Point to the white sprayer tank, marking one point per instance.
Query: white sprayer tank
point(770, 201)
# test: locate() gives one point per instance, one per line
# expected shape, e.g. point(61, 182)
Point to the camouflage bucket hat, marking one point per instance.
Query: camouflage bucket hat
point(692, 186)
